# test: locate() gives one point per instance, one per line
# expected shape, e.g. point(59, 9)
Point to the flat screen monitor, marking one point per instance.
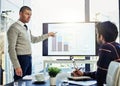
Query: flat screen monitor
point(71, 39)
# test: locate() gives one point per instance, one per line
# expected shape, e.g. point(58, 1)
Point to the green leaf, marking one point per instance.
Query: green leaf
point(53, 71)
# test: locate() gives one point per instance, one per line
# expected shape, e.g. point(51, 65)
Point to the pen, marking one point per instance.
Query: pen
point(80, 68)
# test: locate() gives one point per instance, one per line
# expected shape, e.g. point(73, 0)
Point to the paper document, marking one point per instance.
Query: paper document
point(28, 77)
point(84, 83)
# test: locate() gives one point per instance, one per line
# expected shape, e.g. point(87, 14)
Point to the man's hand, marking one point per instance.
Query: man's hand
point(19, 72)
point(77, 73)
point(51, 34)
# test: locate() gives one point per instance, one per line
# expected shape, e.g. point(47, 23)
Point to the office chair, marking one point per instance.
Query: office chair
point(113, 75)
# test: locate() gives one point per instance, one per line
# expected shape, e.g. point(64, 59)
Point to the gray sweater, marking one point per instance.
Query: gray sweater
point(19, 41)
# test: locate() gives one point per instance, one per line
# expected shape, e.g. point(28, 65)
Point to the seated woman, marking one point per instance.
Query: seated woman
point(108, 51)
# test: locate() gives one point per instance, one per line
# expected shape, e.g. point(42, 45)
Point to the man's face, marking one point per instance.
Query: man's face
point(25, 16)
point(99, 39)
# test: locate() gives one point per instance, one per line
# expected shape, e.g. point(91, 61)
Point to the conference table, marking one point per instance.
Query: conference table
point(27, 83)
point(23, 82)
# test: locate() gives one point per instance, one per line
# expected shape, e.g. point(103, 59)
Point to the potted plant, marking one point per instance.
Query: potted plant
point(53, 71)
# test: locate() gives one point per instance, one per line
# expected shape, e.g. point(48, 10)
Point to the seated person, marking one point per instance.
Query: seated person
point(109, 50)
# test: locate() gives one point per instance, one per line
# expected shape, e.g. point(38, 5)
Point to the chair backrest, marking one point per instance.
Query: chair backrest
point(113, 75)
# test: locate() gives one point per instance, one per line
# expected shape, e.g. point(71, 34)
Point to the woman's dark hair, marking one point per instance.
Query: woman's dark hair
point(25, 8)
point(108, 30)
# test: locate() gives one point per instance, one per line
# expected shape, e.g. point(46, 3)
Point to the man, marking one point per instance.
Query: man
point(109, 51)
point(19, 39)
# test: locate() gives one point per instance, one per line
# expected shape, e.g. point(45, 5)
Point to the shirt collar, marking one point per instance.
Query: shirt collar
point(21, 23)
